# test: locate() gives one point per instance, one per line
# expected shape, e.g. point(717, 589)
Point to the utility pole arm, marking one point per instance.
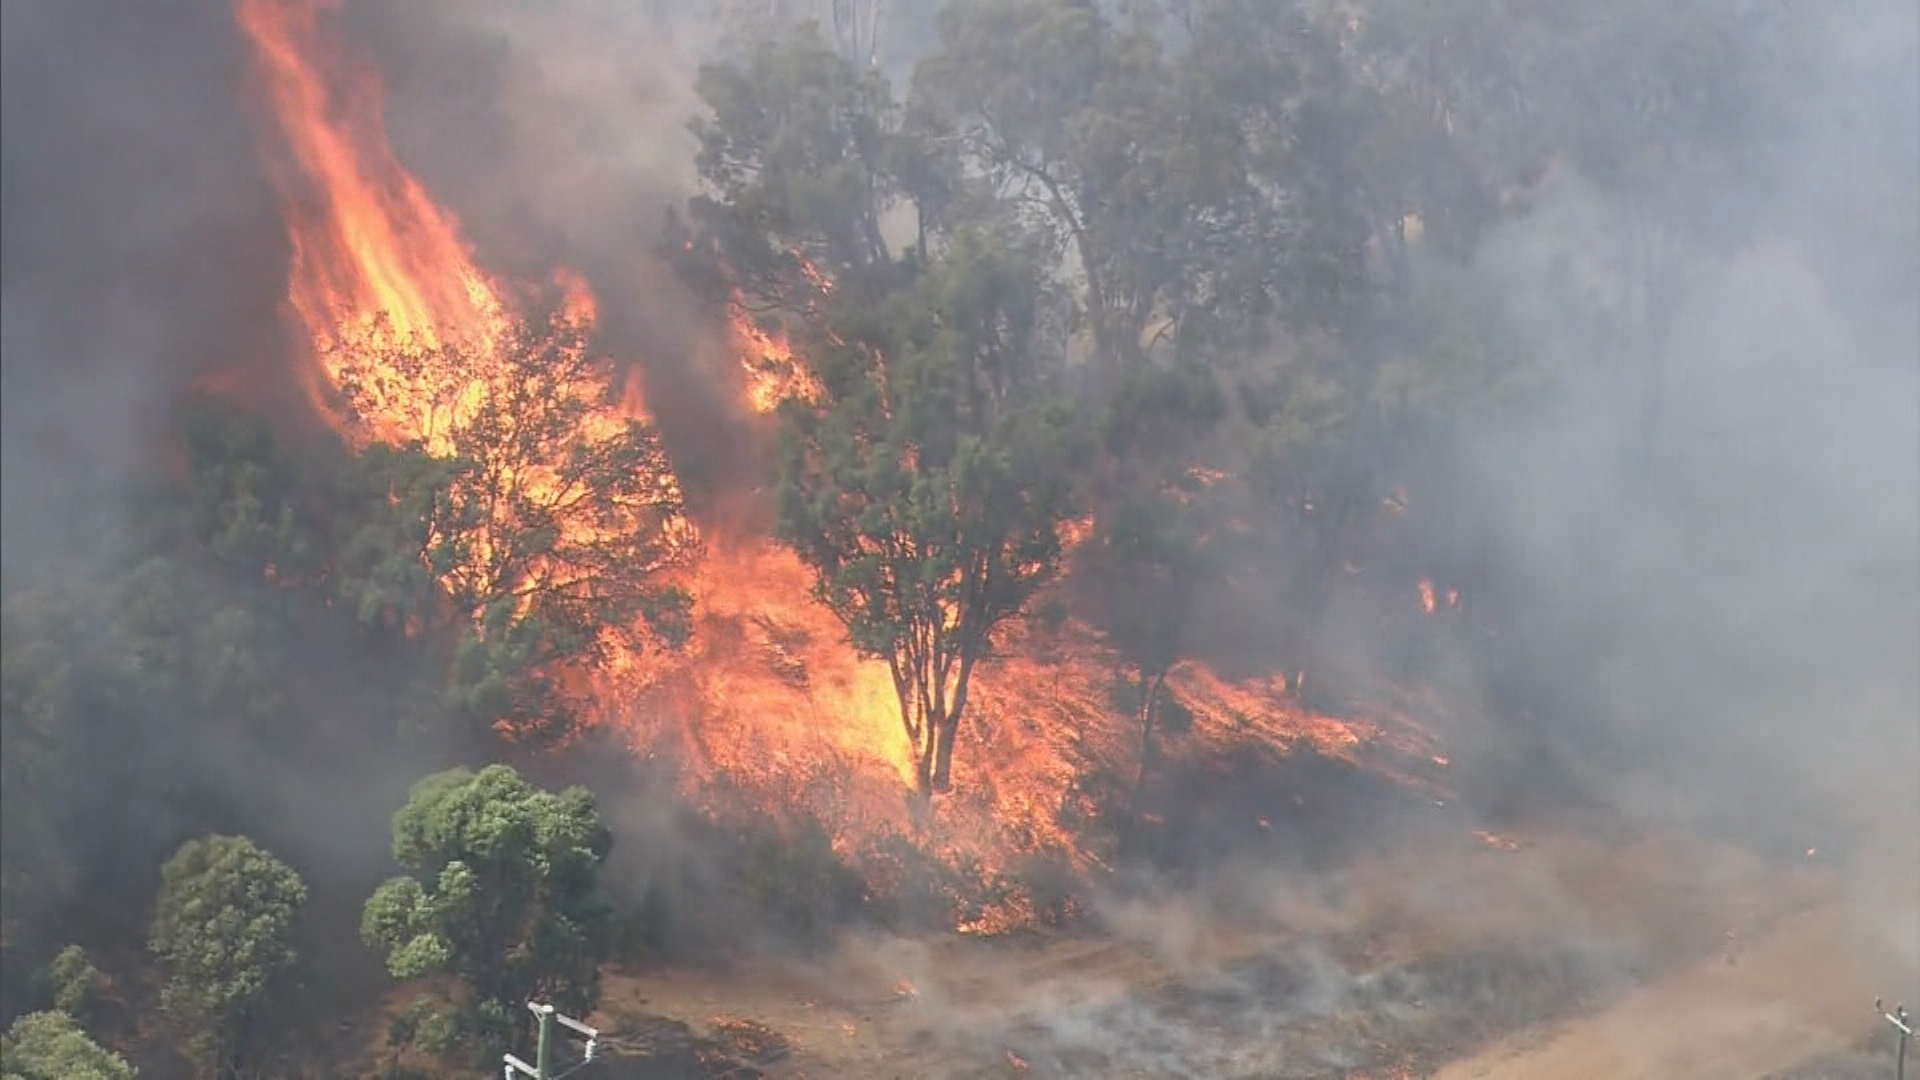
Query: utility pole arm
point(541, 1069)
point(1901, 1023)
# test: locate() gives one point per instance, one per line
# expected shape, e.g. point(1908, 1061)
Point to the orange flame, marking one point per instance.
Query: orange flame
point(770, 695)
point(773, 372)
point(372, 253)
point(1496, 841)
point(403, 323)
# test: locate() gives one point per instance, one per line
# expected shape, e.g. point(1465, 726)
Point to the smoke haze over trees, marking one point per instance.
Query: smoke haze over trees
point(1555, 363)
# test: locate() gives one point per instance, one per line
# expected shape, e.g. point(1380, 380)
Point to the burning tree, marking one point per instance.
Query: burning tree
point(925, 492)
point(557, 505)
point(556, 515)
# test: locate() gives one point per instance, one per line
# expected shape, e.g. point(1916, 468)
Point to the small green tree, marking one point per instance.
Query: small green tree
point(52, 1046)
point(504, 892)
point(223, 933)
point(73, 981)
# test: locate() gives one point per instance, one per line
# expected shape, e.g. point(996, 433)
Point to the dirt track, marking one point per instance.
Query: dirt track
point(1800, 990)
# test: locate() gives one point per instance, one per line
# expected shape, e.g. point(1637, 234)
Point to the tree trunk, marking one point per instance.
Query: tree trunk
point(923, 769)
point(942, 731)
point(1325, 569)
point(1149, 715)
point(942, 740)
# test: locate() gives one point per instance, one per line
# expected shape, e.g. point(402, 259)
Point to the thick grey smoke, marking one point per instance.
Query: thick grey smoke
point(1730, 505)
point(141, 240)
point(1707, 538)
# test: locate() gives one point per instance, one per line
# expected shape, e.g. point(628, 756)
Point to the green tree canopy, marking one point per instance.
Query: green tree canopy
point(74, 981)
point(503, 891)
point(223, 932)
point(1088, 133)
point(51, 1046)
point(798, 160)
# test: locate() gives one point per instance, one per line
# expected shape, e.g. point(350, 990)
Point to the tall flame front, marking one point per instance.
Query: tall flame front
point(371, 250)
point(769, 695)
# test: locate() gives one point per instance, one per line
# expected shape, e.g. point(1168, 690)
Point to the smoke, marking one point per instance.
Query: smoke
point(1706, 541)
point(1714, 528)
point(141, 241)
point(1712, 588)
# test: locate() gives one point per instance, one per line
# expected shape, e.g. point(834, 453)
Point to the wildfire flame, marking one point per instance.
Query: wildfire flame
point(372, 253)
point(411, 340)
point(769, 696)
point(773, 372)
point(1431, 599)
point(1497, 841)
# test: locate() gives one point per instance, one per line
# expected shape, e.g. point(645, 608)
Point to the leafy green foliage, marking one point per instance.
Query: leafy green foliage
point(203, 624)
point(503, 892)
point(927, 487)
point(74, 982)
point(93, 666)
point(798, 884)
point(1150, 554)
point(51, 1046)
point(1090, 135)
point(797, 157)
point(37, 752)
point(223, 933)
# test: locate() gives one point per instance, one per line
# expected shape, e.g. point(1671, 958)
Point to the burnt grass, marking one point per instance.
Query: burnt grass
point(1321, 1011)
point(1291, 1014)
point(1296, 1015)
point(643, 1046)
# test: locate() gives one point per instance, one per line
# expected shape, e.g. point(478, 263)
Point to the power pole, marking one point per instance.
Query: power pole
point(541, 1068)
point(1898, 1018)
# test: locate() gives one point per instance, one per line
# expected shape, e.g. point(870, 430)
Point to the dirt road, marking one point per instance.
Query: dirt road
point(1799, 991)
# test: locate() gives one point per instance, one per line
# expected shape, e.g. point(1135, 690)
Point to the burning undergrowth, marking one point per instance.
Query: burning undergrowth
point(701, 642)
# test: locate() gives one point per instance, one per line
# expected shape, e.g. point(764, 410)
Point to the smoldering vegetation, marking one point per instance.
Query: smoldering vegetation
point(1688, 556)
